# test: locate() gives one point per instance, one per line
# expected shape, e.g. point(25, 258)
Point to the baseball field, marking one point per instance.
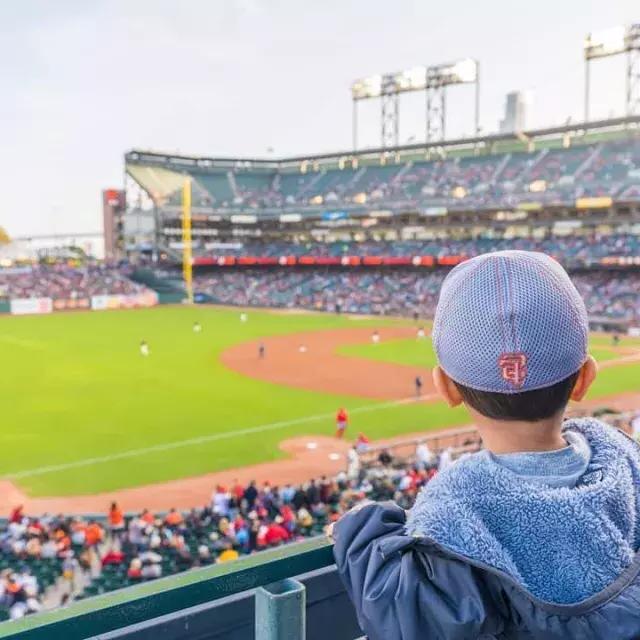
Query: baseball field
point(84, 412)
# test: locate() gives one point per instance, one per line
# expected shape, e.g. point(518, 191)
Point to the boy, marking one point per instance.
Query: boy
point(535, 536)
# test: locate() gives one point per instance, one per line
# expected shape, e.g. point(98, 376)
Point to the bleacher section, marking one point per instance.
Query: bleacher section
point(475, 179)
point(610, 295)
point(217, 186)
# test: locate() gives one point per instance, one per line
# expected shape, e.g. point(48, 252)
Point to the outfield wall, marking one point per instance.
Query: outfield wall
point(39, 306)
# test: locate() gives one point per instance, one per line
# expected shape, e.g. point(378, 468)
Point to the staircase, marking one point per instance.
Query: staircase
point(231, 177)
point(588, 161)
point(398, 176)
point(500, 168)
point(355, 179)
point(307, 187)
point(534, 164)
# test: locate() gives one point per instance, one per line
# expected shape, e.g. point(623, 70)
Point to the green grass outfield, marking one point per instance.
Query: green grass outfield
point(79, 401)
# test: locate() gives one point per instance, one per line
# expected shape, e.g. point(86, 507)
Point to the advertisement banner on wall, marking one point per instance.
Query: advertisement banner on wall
point(100, 303)
point(23, 306)
point(67, 304)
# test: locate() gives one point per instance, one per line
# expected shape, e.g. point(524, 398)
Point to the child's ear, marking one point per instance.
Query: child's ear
point(446, 387)
point(587, 375)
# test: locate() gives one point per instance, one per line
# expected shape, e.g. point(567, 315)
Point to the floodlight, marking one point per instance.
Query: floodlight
point(465, 71)
point(613, 42)
point(370, 87)
point(604, 43)
point(432, 79)
point(412, 79)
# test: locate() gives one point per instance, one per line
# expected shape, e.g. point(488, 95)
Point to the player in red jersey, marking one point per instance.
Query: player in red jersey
point(342, 422)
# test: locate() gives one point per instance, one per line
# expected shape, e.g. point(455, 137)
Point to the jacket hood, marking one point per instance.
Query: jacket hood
point(563, 545)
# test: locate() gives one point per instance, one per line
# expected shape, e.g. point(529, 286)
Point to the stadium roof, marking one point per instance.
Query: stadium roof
point(586, 130)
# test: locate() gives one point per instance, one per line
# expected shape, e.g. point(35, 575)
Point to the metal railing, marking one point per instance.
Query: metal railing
point(455, 438)
point(145, 602)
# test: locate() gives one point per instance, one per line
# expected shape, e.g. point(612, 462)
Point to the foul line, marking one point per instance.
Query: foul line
point(176, 444)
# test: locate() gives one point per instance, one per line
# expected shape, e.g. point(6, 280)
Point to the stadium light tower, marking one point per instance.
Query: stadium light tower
point(612, 42)
point(432, 80)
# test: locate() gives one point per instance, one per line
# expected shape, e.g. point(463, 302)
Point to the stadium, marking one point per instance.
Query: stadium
point(251, 358)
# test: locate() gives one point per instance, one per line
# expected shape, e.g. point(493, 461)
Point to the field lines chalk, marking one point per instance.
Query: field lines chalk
point(189, 442)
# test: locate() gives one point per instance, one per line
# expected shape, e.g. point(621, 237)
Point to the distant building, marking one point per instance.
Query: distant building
point(515, 111)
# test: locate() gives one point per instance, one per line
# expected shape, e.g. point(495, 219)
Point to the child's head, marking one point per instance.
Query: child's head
point(511, 334)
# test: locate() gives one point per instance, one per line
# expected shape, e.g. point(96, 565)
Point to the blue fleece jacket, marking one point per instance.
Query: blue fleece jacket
point(563, 544)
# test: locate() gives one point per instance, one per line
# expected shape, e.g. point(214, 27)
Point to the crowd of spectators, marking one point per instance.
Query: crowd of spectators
point(571, 250)
point(80, 557)
point(609, 293)
point(62, 281)
point(547, 176)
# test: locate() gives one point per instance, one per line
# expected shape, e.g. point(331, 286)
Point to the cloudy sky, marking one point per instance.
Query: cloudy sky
point(82, 81)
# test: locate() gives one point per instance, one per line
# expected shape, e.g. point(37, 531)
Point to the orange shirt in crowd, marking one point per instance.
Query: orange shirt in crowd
point(116, 517)
point(173, 518)
point(228, 554)
point(93, 534)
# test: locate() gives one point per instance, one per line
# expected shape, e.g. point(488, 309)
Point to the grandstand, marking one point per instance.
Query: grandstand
point(317, 232)
point(555, 167)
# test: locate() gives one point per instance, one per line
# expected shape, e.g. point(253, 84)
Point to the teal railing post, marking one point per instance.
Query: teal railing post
point(280, 611)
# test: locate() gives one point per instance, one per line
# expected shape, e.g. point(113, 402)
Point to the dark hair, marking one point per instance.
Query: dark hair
point(528, 406)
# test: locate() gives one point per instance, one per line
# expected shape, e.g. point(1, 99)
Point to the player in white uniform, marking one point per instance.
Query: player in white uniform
point(375, 337)
point(144, 348)
point(197, 327)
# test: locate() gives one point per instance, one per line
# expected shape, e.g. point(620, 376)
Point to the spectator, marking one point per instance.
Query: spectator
point(385, 458)
point(362, 443)
point(250, 495)
point(424, 456)
point(173, 519)
point(116, 521)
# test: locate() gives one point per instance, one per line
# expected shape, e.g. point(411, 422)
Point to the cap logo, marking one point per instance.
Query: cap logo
point(514, 368)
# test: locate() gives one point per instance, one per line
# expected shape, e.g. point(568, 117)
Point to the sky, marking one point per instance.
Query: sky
point(83, 81)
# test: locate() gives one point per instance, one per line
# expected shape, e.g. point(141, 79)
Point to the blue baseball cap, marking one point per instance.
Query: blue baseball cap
point(509, 322)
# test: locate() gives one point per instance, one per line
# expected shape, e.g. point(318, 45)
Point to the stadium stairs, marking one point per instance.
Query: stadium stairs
point(287, 592)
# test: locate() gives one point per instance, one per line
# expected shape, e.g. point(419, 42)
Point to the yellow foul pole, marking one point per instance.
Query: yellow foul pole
point(187, 267)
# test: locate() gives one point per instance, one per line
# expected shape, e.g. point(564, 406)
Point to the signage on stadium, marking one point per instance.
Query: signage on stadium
point(307, 260)
point(24, 306)
point(529, 206)
point(65, 304)
point(335, 215)
point(434, 211)
point(101, 303)
point(594, 203)
point(621, 261)
point(290, 217)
